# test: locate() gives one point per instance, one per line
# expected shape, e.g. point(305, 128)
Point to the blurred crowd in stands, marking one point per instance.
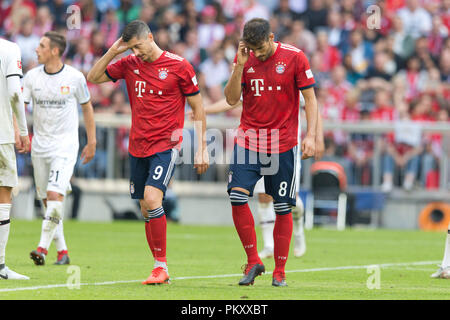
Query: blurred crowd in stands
point(397, 71)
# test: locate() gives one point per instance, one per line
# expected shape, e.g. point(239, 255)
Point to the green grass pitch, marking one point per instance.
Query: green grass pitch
point(205, 263)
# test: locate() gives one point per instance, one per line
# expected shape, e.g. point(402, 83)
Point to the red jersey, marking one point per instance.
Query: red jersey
point(157, 92)
point(271, 99)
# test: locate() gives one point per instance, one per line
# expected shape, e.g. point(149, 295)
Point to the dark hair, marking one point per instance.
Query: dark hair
point(57, 40)
point(136, 28)
point(256, 31)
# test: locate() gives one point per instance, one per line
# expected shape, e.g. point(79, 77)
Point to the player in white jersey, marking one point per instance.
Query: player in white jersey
point(444, 270)
point(11, 104)
point(55, 90)
point(265, 208)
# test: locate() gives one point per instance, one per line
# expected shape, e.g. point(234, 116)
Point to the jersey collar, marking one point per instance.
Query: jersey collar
point(51, 74)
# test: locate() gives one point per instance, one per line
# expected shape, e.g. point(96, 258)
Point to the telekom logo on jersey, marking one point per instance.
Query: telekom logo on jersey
point(139, 87)
point(257, 85)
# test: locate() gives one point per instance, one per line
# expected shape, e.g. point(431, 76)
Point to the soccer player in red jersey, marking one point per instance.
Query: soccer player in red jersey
point(158, 84)
point(269, 76)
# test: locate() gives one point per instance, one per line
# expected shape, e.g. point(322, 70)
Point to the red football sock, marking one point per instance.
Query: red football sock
point(42, 250)
point(148, 234)
point(282, 233)
point(158, 230)
point(245, 227)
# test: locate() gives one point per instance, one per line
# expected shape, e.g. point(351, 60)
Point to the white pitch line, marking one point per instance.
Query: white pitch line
point(383, 265)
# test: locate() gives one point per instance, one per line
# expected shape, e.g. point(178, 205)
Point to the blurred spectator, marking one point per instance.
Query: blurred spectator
point(44, 21)
point(416, 20)
point(436, 37)
point(360, 51)
point(331, 57)
point(285, 16)
point(303, 38)
point(403, 42)
point(28, 42)
point(336, 90)
point(83, 59)
point(110, 28)
point(127, 12)
point(336, 33)
point(316, 15)
point(360, 152)
point(216, 72)
point(255, 10)
point(16, 13)
point(210, 33)
point(383, 109)
point(119, 104)
point(192, 50)
point(414, 78)
point(104, 6)
point(402, 152)
point(59, 12)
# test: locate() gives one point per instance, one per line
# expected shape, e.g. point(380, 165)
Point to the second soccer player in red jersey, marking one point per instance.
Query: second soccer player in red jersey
point(268, 75)
point(158, 84)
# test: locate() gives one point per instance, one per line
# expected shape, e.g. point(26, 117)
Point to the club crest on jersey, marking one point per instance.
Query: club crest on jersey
point(19, 64)
point(163, 73)
point(65, 90)
point(280, 67)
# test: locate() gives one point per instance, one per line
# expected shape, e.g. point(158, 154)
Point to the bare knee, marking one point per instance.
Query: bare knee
point(54, 196)
point(153, 198)
point(144, 210)
point(264, 198)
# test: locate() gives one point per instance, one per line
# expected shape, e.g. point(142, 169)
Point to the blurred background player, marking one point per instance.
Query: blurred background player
point(269, 76)
point(55, 90)
point(11, 102)
point(444, 270)
point(265, 208)
point(158, 84)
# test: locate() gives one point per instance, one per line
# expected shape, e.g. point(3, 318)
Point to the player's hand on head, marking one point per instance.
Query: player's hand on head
point(23, 144)
point(88, 153)
point(201, 160)
point(242, 54)
point(119, 46)
point(308, 147)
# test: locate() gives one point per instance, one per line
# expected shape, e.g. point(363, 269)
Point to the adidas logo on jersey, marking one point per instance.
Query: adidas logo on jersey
point(251, 70)
point(136, 71)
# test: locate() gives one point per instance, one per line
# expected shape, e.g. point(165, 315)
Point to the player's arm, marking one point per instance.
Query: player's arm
point(309, 142)
point(233, 88)
point(217, 107)
point(201, 162)
point(88, 152)
point(221, 106)
point(98, 72)
point(16, 99)
point(320, 143)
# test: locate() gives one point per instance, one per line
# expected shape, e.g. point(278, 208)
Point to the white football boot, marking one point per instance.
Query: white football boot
point(442, 273)
point(7, 274)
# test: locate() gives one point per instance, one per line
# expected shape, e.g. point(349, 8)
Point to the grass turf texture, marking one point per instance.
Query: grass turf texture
point(118, 251)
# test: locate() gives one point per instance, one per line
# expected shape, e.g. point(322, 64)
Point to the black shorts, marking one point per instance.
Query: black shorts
point(278, 170)
point(156, 171)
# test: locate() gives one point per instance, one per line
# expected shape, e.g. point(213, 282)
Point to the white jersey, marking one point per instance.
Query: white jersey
point(10, 65)
point(55, 99)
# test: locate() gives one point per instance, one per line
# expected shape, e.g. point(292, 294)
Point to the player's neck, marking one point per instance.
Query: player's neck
point(156, 53)
point(52, 67)
point(274, 48)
